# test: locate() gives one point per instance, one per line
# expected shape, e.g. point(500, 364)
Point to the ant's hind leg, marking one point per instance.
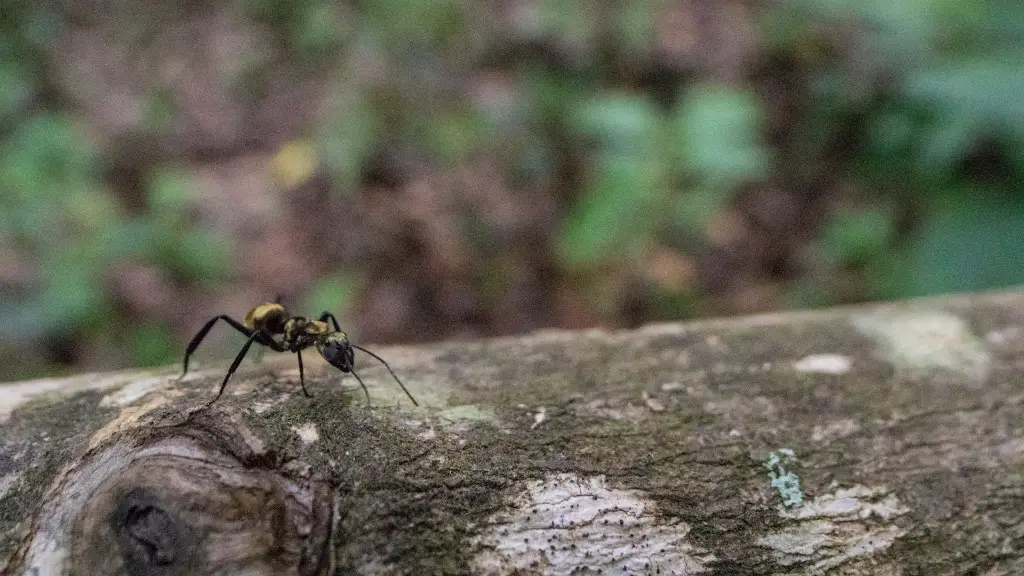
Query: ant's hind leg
point(198, 338)
point(234, 365)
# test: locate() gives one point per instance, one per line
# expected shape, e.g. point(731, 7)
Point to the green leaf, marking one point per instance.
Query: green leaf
point(16, 88)
point(718, 132)
point(454, 136)
point(202, 255)
point(623, 124)
point(349, 133)
point(320, 31)
point(333, 294)
point(170, 193)
point(617, 213)
point(152, 345)
point(696, 206)
point(969, 246)
point(858, 236)
point(973, 98)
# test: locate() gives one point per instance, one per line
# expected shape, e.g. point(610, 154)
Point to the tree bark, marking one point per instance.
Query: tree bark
point(870, 440)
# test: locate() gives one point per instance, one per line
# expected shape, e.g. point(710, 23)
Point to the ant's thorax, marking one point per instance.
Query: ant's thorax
point(300, 332)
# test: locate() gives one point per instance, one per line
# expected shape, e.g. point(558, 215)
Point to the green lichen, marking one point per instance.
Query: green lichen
point(786, 482)
point(470, 413)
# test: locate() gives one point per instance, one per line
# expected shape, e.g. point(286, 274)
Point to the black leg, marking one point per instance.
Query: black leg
point(234, 365)
point(393, 375)
point(198, 338)
point(365, 391)
point(324, 316)
point(302, 378)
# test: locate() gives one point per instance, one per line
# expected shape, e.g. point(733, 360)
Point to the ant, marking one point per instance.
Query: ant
point(266, 321)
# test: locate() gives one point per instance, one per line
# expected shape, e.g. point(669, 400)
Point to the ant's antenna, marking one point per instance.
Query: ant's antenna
point(393, 375)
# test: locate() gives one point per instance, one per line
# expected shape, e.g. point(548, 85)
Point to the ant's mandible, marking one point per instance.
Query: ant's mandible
point(266, 321)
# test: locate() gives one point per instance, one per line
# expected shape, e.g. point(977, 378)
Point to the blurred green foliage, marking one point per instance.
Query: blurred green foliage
point(653, 170)
point(933, 96)
point(916, 106)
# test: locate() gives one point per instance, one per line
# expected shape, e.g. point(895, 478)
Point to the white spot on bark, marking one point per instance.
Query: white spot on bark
point(135, 390)
point(835, 430)
point(307, 432)
point(824, 364)
point(715, 343)
point(6, 481)
point(652, 402)
point(831, 530)
point(539, 418)
point(568, 524)
point(127, 418)
point(13, 396)
point(1001, 337)
point(922, 342)
point(617, 411)
point(662, 329)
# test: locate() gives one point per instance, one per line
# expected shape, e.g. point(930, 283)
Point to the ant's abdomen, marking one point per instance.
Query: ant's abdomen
point(270, 317)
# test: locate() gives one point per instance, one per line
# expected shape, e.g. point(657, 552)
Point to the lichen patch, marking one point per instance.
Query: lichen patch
point(567, 525)
point(469, 413)
point(834, 529)
point(785, 481)
point(923, 342)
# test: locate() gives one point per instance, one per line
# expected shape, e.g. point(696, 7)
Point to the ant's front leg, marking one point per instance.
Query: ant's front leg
point(327, 315)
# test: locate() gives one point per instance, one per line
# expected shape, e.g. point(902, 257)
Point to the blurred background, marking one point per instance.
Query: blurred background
point(461, 168)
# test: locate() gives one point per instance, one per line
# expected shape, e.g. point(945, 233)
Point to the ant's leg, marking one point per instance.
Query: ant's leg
point(234, 365)
point(393, 375)
point(198, 338)
point(265, 342)
point(302, 379)
point(365, 391)
point(324, 316)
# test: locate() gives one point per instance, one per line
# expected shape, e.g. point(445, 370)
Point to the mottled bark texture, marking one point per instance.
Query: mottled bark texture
point(875, 440)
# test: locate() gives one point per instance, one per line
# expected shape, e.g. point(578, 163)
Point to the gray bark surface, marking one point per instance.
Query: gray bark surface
point(869, 440)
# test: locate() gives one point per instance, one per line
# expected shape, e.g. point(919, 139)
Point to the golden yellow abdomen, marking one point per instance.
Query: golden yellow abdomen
point(258, 314)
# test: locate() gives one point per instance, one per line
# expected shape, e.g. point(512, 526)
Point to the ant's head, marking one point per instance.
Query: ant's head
point(335, 348)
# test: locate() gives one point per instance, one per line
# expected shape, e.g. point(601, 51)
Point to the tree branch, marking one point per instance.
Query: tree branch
point(871, 440)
